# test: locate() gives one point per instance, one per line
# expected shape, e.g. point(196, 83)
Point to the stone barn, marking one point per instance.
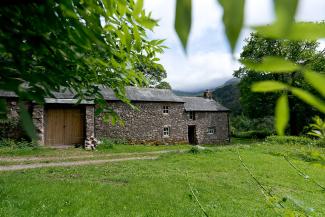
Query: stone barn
point(161, 117)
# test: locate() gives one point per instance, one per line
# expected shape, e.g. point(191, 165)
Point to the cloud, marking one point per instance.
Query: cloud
point(311, 10)
point(201, 70)
point(258, 12)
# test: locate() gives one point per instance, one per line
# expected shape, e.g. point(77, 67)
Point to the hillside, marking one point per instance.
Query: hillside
point(228, 95)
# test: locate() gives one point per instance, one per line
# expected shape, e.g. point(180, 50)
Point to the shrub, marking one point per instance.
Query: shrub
point(10, 128)
point(7, 143)
point(21, 144)
point(106, 143)
point(194, 150)
point(252, 134)
point(290, 140)
point(244, 127)
point(320, 143)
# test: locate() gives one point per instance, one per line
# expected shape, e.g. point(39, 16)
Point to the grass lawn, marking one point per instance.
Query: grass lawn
point(160, 187)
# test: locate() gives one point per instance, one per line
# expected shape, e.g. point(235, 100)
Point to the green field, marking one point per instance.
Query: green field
point(161, 187)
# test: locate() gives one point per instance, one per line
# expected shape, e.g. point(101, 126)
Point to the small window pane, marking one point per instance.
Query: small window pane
point(192, 116)
point(166, 131)
point(165, 109)
point(211, 130)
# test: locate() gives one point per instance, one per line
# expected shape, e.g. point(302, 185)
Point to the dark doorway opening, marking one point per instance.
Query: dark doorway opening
point(192, 134)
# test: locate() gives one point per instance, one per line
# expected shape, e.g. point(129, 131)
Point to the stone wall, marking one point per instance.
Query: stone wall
point(11, 128)
point(146, 124)
point(39, 123)
point(205, 120)
point(90, 120)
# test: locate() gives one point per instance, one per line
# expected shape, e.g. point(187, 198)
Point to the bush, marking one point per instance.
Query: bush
point(11, 143)
point(11, 128)
point(106, 143)
point(252, 134)
point(258, 128)
point(320, 143)
point(194, 150)
point(289, 140)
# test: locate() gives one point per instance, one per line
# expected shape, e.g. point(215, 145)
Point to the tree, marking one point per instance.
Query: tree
point(257, 105)
point(79, 45)
point(163, 85)
point(154, 72)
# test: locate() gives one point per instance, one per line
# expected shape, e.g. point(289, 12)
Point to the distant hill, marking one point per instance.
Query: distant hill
point(183, 93)
point(228, 95)
point(231, 81)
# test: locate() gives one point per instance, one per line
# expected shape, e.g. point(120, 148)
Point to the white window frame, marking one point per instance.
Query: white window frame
point(192, 115)
point(165, 109)
point(211, 130)
point(166, 131)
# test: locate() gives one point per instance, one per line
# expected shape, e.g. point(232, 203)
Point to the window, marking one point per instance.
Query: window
point(165, 109)
point(192, 116)
point(211, 130)
point(166, 131)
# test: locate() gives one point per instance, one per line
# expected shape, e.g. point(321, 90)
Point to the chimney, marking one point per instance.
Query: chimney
point(207, 94)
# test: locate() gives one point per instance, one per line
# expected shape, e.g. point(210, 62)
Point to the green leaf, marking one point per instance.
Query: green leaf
point(138, 8)
point(285, 11)
point(307, 31)
point(317, 80)
point(273, 64)
point(121, 7)
point(127, 35)
point(269, 86)
point(26, 121)
point(309, 99)
point(281, 114)
point(298, 31)
point(233, 19)
point(183, 19)
point(137, 38)
point(147, 22)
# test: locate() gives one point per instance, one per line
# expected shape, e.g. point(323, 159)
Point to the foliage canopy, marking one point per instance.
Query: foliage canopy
point(48, 46)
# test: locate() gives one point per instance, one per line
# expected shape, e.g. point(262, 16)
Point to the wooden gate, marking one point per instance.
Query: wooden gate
point(64, 126)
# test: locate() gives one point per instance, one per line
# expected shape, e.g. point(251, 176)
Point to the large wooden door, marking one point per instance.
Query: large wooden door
point(64, 126)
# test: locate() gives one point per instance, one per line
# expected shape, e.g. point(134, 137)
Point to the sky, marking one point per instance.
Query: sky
point(208, 62)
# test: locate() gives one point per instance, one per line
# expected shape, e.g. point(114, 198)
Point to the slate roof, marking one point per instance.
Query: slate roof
point(144, 94)
point(132, 93)
point(202, 104)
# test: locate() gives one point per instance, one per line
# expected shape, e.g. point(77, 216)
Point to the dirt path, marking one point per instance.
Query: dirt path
point(74, 163)
point(21, 159)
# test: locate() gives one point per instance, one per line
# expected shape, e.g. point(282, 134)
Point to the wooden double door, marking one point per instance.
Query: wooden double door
point(64, 125)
